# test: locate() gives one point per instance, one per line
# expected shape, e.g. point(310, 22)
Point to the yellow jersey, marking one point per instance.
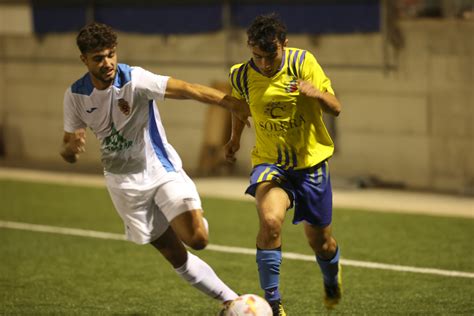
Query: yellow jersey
point(289, 127)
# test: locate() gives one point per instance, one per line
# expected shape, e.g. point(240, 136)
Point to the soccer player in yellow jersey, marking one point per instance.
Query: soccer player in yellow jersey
point(287, 92)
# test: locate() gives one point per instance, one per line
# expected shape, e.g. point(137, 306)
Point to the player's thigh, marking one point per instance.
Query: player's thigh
point(142, 219)
point(272, 202)
point(179, 201)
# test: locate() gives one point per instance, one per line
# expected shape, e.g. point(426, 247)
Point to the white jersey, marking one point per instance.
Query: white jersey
point(125, 119)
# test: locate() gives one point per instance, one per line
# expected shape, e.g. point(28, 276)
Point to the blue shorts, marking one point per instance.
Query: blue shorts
point(309, 190)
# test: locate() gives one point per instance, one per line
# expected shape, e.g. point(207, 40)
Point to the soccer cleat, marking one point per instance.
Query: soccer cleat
point(225, 307)
point(333, 293)
point(277, 308)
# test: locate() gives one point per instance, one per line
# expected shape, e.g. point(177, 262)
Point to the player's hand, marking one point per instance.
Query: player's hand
point(77, 143)
point(73, 145)
point(230, 149)
point(306, 88)
point(241, 110)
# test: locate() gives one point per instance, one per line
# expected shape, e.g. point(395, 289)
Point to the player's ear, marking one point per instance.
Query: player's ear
point(285, 42)
point(83, 59)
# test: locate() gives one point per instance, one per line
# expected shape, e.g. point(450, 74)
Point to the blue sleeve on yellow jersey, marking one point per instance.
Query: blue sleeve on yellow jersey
point(238, 81)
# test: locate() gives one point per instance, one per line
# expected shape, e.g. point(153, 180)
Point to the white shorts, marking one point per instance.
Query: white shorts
point(147, 211)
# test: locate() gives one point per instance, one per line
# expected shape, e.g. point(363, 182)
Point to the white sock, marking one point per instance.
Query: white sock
point(200, 275)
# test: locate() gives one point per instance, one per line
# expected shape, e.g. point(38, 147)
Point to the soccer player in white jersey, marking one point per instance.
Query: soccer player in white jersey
point(156, 200)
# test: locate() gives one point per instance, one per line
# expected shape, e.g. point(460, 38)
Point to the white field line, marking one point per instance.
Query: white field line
point(238, 250)
point(61, 230)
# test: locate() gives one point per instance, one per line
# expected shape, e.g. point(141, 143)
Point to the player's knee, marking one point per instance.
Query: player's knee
point(271, 227)
point(327, 247)
point(198, 244)
point(198, 241)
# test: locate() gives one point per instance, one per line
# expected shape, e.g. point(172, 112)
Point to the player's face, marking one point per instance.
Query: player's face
point(102, 66)
point(268, 63)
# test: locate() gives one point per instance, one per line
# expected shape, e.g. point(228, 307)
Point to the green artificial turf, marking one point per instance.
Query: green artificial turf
point(54, 274)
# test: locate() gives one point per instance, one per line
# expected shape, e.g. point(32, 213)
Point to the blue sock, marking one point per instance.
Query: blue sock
point(269, 261)
point(329, 268)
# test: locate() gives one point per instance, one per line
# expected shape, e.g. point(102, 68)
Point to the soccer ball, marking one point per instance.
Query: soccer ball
point(249, 304)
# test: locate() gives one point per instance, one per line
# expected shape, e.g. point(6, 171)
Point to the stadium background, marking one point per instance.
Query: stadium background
point(402, 69)
point(403, 171)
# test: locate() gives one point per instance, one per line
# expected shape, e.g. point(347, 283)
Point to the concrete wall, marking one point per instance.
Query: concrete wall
point(412, 125)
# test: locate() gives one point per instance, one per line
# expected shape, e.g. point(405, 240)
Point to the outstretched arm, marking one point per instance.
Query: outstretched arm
point(73, 145)
point(178, 89)
point(233, 145)
point(328, 101)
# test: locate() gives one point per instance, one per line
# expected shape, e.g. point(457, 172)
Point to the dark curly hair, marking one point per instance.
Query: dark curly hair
point(264, 30)
point(96, 36)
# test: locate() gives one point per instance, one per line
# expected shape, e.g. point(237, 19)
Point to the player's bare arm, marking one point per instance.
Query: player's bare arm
point(178, 89)
point(73, 145)
point(233, 145)
point(328, 101)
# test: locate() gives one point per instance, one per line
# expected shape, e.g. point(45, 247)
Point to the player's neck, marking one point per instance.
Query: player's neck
point(100, 84)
